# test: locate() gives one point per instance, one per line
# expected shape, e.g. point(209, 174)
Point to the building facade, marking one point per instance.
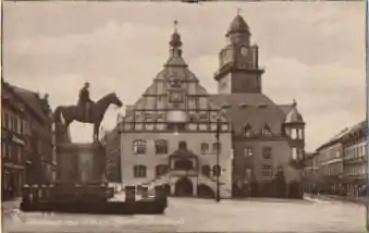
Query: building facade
point(268, 139)
point(14, 135)
point(311, 172)
point(355, 160)
point(39, 157)
point(169, 135)
point(330, 171)
point(113, 156)
point(341, 163)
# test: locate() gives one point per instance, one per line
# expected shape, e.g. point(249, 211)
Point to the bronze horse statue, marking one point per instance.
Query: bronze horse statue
point(68, 114)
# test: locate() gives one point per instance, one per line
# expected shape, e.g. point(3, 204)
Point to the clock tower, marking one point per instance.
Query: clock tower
point(239, 70)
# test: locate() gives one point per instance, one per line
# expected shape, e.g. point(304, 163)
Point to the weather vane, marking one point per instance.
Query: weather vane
point(239, 11)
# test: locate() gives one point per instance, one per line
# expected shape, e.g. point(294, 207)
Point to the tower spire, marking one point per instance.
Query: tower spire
point(175, 23)
point(175, 41)
point(175, 44)
point(239, 10)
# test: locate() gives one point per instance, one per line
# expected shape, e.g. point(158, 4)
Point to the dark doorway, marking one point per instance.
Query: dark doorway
point(183, 164)
point(205, 191)
point(167, 189)
point(183, 187)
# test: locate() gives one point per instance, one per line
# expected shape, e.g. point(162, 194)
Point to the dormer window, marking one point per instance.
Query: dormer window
point(243, 105)
point(262, 106)
point(226, 106)
point(266, 131)
point(247, 131)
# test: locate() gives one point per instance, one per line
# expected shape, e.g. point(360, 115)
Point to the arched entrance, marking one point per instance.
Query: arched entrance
point(183, 187)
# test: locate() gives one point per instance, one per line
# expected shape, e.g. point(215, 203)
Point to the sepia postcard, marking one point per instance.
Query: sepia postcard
point(187, 116)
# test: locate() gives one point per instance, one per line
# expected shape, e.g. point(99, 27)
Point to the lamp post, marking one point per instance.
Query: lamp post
point(217, 169)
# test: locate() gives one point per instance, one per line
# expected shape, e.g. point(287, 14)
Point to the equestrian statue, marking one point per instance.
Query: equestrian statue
point(86, 111)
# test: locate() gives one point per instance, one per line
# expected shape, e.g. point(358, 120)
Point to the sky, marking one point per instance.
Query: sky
point(313, 52)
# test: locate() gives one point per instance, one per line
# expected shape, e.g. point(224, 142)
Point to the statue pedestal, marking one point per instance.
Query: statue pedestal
point(80, 163)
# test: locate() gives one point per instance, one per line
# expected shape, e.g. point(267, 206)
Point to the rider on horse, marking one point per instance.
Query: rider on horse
point(84, 101)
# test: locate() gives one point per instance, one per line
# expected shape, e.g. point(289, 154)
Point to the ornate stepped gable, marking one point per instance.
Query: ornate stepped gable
point(174, 91)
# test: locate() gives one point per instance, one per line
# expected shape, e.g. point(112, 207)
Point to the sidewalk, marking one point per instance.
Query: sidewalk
point(326, 197)
point(10, 205)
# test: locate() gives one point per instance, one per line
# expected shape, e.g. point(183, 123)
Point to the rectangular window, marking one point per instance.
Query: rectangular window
point(7, 121)
point(203, 127)
point(149, 126)
point(204, 116)
point(248, 173)
point(160, 102)
point(203, 101)
point(191, 103)
point(204, 148)
point(3, 149)
point(294, 153)
point(192, 127)
point(217, 147)
point(248, 152)
point(267, 152)
point(267, 170)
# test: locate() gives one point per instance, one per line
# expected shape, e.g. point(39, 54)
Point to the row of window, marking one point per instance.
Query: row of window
point(160, 116)
point(332, 169)
point(165, 126)
point(12, 152)
point(14, 123)
point(160, 101)
point(356, 151)
point(140, 171)
point(266, 152)
point(356, 170)
point(265, 131)
point(161, 147)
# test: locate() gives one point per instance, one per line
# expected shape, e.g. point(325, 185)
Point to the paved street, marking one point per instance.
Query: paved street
point(205, 215)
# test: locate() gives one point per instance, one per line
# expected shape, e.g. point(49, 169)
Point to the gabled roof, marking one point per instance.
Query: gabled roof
point(338, 138)
point(257, 110)
point(31, 99)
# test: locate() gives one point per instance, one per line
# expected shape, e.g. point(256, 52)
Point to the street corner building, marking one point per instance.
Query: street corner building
point(26, 140)
point(169, 136)
point(339, 166)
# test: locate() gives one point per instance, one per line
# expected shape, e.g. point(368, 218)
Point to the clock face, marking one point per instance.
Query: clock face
point(244, 51)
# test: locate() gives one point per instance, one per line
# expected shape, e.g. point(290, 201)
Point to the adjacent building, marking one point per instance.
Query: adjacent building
point(169, 135)
point(27, 138)
point(330, 162)
point(355, 159)
point(14, 135)
point(310, 172)
point(340, 165)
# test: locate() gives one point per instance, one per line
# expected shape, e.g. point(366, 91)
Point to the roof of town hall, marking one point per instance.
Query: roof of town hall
point(176, 67)
point(253, 109)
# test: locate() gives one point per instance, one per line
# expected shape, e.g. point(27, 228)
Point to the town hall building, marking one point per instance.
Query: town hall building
point(177, 133)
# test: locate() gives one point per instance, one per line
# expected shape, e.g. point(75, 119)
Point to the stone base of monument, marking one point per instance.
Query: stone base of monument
point(81, 187)
point(42, 198)
point(80, 163)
